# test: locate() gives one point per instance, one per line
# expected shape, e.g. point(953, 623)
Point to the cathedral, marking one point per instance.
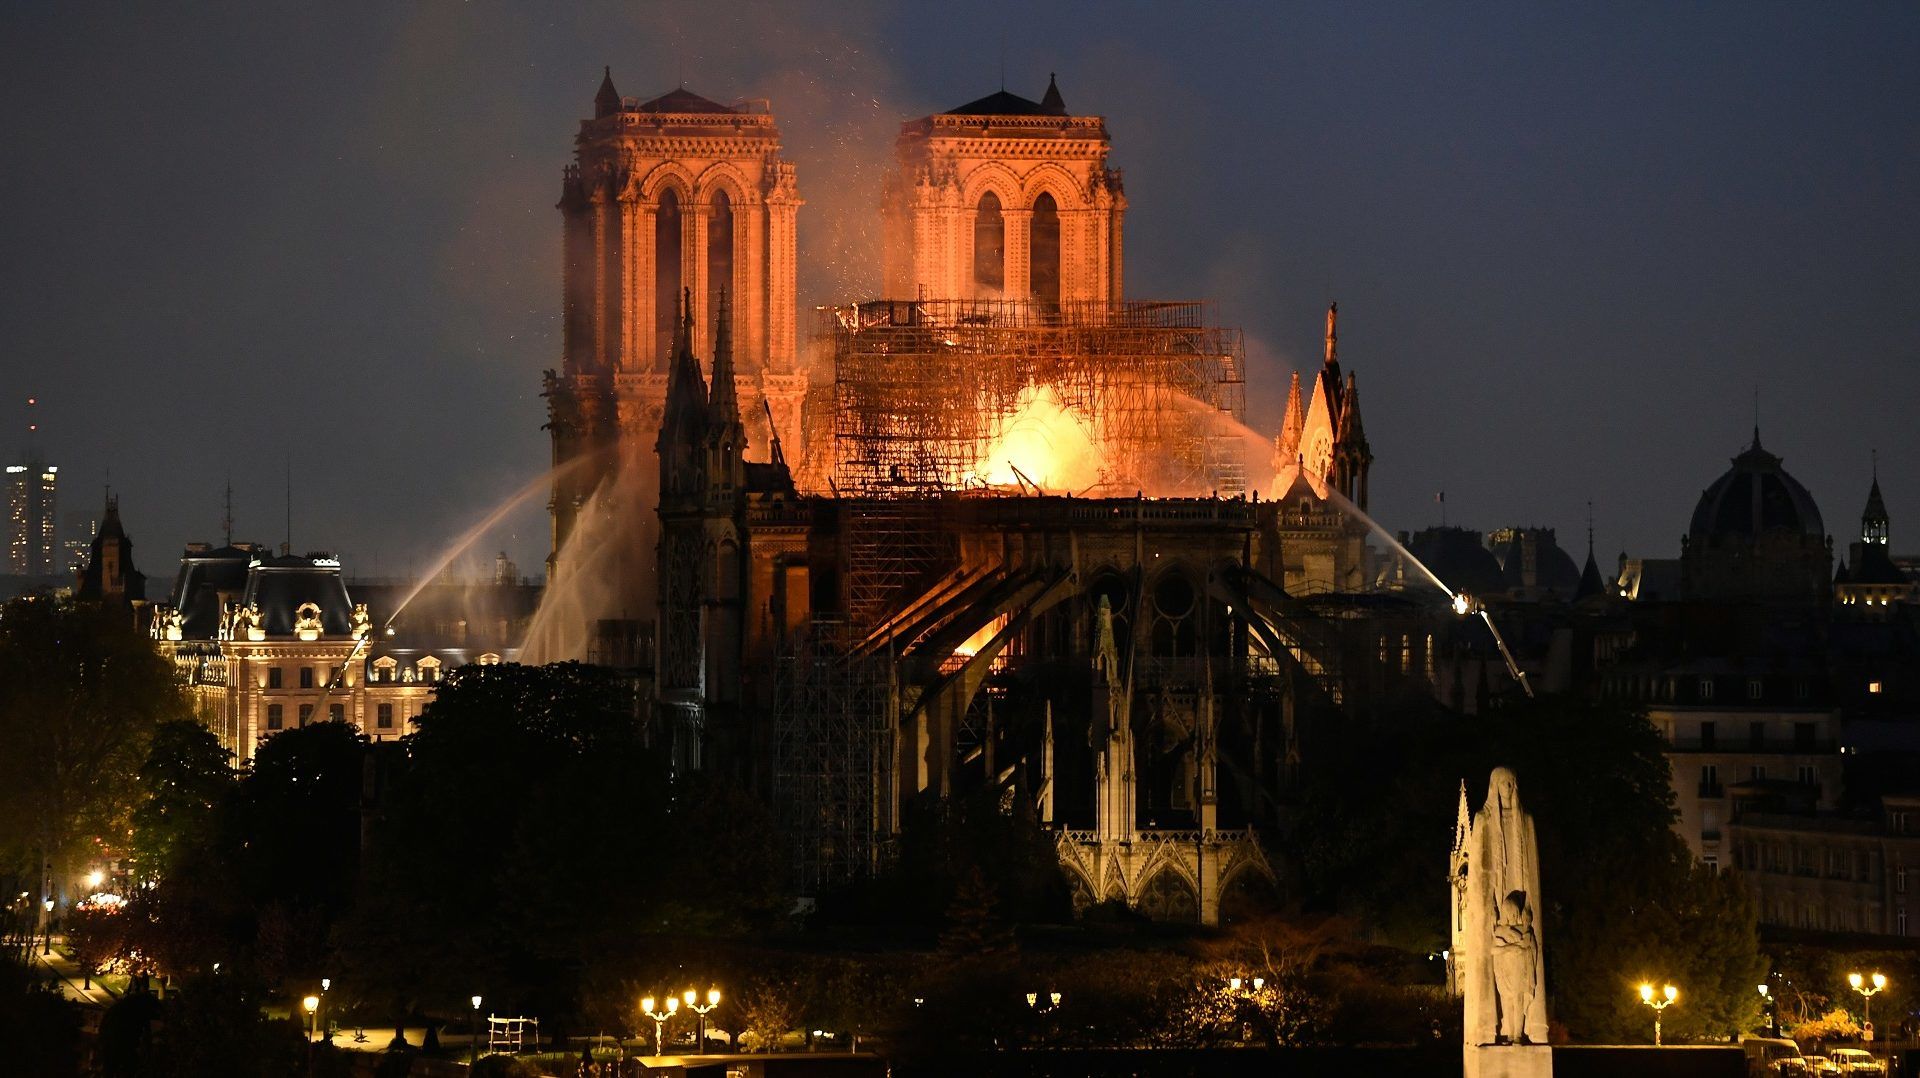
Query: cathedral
point(1001, 534)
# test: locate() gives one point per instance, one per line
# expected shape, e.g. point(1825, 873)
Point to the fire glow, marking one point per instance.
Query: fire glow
point(1043, 443)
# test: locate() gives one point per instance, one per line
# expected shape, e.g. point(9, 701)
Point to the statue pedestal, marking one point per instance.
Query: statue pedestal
point(1509, 1061)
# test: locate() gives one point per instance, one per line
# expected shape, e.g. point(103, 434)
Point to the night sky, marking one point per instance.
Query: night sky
point(1569, 246)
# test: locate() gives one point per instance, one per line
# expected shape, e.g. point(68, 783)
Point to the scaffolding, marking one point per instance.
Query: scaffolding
point(922, 390)
point(834, 752)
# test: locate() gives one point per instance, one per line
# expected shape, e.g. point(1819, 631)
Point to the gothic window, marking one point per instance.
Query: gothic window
point(666, 271)
point(720, 251)
point(989, 248)
point(1044, 250)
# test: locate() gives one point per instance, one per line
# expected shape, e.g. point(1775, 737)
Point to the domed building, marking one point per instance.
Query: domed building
point(1757, 536)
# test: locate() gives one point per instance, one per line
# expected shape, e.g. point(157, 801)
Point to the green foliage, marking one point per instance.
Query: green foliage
point(1625, 903)
point(945, 843)
point(520, 840)
point(39, 1029)
point(1835, 1025)
point(184, 782)
point(81, 693)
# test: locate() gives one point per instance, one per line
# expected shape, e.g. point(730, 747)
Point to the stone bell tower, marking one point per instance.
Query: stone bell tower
point(1004, 198)
point(669, 195)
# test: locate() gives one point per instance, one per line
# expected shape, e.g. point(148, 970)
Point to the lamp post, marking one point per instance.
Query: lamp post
point(473, 1041)
point(1659, 1002)
point(659, 1018)
point(48, 949)
point(1766, 1008)
point(693, 1003)
point(1867, 986)
point(312, 1005)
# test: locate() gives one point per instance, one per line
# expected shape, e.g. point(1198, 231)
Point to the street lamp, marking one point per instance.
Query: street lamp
point(693, 1003)
point(659, 1018)
point(48, 949)
point(312, 1005)
point(94, 879)
point(1867, 986)
point(1659, 1002)
point(473, 1041)
point(1766, 1007)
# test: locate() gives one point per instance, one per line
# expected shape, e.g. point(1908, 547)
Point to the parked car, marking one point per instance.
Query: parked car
point(1821, 1067)
point(1853, 1061)
point(1773, 1056)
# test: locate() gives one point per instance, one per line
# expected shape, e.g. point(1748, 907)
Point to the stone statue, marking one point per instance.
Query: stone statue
point(1500, 959)
point(362, 624)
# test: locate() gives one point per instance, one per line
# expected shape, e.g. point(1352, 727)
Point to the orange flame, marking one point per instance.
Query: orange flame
point(1043, 441)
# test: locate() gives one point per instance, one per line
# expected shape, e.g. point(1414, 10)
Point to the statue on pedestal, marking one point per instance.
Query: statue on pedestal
point(1497, 947)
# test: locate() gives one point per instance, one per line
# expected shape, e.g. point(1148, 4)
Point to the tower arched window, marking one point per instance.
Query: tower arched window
point(1044, 247)
point(719, 250)
point(666, 272)
point(989, 248)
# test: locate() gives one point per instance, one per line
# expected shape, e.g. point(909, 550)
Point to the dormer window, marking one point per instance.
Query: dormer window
point(429, 668)
point(384, 668)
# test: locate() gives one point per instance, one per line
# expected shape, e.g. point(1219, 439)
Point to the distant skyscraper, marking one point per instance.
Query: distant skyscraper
point(77, 529)
point(31, 546)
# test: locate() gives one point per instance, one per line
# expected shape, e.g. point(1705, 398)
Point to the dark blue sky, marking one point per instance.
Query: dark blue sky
point(1569, 244)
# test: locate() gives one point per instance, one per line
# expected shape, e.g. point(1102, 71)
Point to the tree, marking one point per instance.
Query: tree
point(184, 783)
point(1623, 900)
point(518, 841)
point(81, 693)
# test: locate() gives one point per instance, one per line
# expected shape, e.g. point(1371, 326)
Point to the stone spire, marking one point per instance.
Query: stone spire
point(607, 101)
point(1286, 447)
point(1874, 526)
point(1333, 337)
point(722, 398)
point(1052, 102)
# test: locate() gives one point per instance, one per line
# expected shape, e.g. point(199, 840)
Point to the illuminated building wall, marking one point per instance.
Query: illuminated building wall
point(670, 197)
point(32, 549)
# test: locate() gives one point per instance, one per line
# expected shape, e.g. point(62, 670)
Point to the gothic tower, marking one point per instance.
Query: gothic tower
point(1004, 198)
point(703, 495)
point(678, 195)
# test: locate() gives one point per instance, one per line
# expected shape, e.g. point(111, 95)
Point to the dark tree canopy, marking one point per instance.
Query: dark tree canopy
point(81, 693)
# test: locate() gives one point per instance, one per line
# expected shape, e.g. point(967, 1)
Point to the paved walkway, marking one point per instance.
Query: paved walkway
point(66, 974)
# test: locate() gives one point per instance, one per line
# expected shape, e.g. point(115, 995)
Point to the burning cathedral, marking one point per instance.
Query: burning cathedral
point(1001, 526)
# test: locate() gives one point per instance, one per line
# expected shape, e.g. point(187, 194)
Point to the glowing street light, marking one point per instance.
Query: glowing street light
point(692, 999)
point(659, 1018)
point(1053, 1002)
point(473, 1042)
point(48, 949)
point(312, 1007)
point(1659, 1002)
point(95, 879)
point(1867, 986)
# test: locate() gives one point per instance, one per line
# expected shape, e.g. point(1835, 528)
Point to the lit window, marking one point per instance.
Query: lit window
point(1873, 687)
